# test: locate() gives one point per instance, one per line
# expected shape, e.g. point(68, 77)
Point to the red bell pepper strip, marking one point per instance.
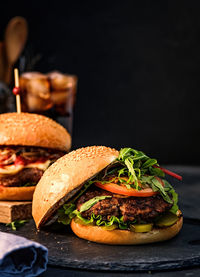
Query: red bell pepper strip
point(170, 173)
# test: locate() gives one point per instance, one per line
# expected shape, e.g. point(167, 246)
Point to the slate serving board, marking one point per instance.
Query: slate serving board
point(66, 250)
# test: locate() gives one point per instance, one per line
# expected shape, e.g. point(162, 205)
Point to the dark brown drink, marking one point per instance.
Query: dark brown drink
point(51, 94)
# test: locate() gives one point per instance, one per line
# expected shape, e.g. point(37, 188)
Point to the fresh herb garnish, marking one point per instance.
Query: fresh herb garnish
point(15, 225)
point(137, 163)
point(131, 164)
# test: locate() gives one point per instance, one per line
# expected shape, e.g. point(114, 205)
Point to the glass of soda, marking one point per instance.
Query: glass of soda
point(52, 94)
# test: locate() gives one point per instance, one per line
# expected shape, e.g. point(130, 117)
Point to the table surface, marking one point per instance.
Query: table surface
point(60, 272)
point(189, 193)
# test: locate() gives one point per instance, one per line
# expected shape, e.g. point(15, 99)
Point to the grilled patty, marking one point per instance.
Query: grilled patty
point(131, 208)
point(27, 175)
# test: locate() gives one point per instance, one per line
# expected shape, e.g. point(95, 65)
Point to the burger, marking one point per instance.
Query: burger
point(109, 197)
point(29, 144)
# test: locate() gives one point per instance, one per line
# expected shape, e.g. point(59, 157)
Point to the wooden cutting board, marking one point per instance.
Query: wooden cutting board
point(15, 210)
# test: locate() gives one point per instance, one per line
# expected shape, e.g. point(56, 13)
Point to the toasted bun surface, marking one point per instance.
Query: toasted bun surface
point(66, 176)
point(125, 237)
point(16, 193)
point(33, 130)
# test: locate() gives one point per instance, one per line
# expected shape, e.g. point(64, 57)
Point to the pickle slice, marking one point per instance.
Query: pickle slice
point(167, 220)
point(110, 228)
point(141, 228)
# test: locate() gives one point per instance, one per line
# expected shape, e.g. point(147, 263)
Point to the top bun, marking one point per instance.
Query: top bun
point(29, 129)
point(66, 176)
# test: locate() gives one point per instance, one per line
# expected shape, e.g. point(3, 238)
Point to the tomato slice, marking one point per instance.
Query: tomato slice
point(122, 189)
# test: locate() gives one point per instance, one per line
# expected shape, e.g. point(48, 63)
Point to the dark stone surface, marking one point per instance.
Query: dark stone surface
point(66, 250)
point(52, 272)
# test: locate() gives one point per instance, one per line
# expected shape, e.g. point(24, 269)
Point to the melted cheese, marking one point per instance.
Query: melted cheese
point(42, 166)
point(11, 169)
point(14, 169)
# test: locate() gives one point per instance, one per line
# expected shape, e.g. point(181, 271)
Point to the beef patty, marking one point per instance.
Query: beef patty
point(27, 175)
point(131, 208)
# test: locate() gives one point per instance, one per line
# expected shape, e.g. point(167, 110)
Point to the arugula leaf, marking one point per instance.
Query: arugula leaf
point(170, 190)
point(87, 205)
point(174, 208)
point(168, 193)
point(146, 179)
point(129, 164)
point(16, 224)
point(157, 186)
point(149, 162)
point(123, 152)
point(156, 171)
point(137, 164)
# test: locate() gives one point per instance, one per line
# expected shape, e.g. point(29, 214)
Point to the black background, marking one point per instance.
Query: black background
point(138, 64)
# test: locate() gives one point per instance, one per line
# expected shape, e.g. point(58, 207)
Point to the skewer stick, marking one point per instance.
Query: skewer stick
point(16, 90)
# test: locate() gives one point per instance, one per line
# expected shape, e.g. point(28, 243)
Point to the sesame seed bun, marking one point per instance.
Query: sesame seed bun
point(125, 237)
point(28, 129)
point(66, 176)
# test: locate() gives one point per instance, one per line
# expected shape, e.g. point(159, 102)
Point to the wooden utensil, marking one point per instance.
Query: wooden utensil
point(15, 38)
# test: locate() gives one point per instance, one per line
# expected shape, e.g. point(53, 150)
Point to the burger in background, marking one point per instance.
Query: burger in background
point(29, 144)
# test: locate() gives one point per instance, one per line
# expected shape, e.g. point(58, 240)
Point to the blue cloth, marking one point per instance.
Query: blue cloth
point(21, 257)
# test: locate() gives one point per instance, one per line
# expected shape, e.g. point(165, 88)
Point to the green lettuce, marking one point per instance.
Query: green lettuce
point(88, 204)
point(97, 220)
point(65, 214)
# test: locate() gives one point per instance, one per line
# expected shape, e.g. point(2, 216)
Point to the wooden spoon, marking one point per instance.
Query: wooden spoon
point(15, 38)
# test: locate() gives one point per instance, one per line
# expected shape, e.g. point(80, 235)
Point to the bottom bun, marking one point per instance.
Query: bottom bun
point(124, 237)
point(16, 193)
